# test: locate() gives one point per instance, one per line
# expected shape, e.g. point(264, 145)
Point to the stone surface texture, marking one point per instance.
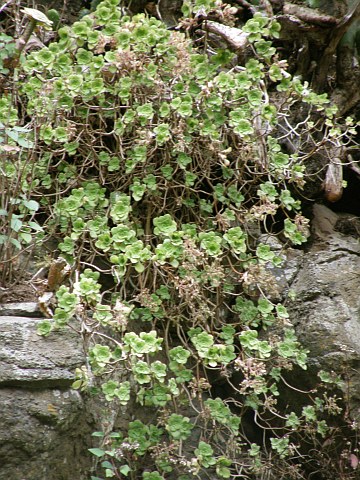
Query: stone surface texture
point(26, 359)
point(326, 307)
point(45, 427)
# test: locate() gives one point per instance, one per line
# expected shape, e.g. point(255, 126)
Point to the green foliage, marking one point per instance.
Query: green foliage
point(112, 389)
point(155, 164)
point(205, 454)
point(18, 225)
point(179, 427)
point(280, 445)
point(7, 51)
point(221, 413)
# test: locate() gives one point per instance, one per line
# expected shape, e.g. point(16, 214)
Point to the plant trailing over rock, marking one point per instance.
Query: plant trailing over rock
point(156, 167)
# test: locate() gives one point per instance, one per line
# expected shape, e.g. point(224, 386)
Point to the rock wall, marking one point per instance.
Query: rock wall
point(44, 429)
point(326, 306)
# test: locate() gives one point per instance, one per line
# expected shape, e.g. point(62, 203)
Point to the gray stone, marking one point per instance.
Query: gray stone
point(282, 276)
point(28, 359)
point(326, 307)
point(43, 435)
point(22, 309)
point(45, 428)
